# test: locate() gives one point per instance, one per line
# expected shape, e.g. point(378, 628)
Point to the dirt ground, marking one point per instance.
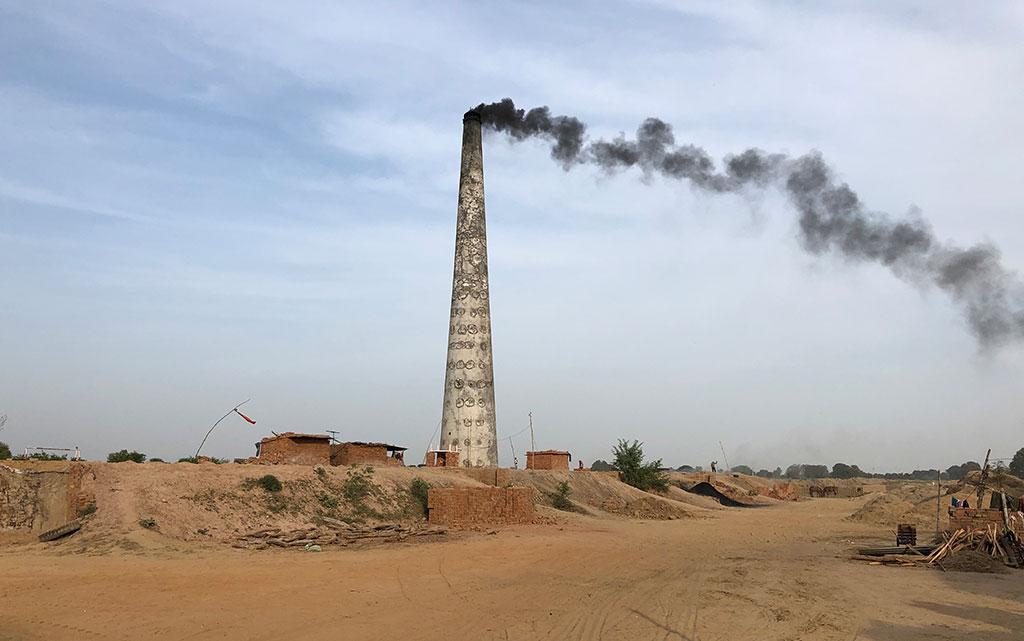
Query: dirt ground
point(771, 573)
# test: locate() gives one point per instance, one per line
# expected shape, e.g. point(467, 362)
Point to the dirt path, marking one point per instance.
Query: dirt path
point(765, 574)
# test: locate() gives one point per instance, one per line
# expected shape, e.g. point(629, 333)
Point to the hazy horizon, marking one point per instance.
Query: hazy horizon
point(202, 204)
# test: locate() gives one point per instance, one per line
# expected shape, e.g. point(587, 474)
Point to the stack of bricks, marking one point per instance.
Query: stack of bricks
point(462, 506)
point(971, 518)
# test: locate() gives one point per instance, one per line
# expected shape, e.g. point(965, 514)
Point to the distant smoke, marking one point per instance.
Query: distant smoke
point(832, 217)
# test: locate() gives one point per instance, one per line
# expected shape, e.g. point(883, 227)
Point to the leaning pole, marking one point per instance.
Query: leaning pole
point(468, 420)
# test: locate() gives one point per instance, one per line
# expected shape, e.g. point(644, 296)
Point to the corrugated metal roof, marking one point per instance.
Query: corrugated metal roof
point(390, 448)
point(294, 435)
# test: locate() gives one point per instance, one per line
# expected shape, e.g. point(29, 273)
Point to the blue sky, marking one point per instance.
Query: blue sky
point(202, 202)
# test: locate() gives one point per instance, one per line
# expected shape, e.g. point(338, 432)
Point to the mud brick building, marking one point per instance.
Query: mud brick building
point(462, 506)
point(442, 458)
point(548, 460)
point(357, 453)
point(291, 448)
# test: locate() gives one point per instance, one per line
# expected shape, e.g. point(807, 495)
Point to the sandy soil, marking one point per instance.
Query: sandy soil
point(771, 573)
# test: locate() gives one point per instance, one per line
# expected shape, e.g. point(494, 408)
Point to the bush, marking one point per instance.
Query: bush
point(602, 466)
point(560, 497)
point(5, 451)
point(419, 490)
point(43, 456)
point(269, 482)
point(629, 460)
point(188, 459)
point(157, 460)
point(149, 524)
point(125, 455)
point(87, 510)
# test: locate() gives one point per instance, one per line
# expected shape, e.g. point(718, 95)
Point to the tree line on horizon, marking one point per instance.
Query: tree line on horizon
point(800, 471)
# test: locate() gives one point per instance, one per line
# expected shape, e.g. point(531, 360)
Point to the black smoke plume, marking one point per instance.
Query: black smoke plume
point(831, 215)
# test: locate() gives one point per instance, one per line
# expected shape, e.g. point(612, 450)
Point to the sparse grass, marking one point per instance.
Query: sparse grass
point(327, 501)
point(207, 498)
point(87, 510)
point(276, 503)
point(188, 459)
point(358, 484)
point(419, 489)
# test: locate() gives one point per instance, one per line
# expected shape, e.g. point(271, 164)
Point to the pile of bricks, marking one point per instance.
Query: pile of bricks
point(462, 506)
point(971, 519)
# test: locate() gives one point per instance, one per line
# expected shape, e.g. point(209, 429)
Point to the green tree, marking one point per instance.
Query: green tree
point(844, 471)
point(602, 466)
point(420, 489)
point(815, 471)
point(629, 460)
point(125, 455)
point(1016, 465)
point(742, 469)
point(5, 451)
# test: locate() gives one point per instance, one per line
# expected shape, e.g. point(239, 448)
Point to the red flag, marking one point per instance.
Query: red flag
point(244, 416)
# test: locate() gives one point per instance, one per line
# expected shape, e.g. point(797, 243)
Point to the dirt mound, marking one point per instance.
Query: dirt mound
point(149, 507)
point(885, 509)
point(601, 491)
point(136, 504)
point(696, 501)
point(973, 561)
point(1005, 481)
point(781, 492)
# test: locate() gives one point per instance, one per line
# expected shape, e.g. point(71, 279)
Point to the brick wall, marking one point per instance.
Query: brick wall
point(35, 500)
point(973, 518)
point(547, 460)
point(364, 454)
point(296, 451)
point(442, 459)
point(461, 506)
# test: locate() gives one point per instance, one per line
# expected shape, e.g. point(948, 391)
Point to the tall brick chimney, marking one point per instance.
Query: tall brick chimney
point(468, 420)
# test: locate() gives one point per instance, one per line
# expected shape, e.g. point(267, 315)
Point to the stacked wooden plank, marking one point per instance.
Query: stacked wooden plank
point(992, 540)
point(335, 532)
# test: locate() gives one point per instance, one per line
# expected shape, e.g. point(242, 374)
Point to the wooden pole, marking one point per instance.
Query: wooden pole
point(233, 409)
point(938, 499)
